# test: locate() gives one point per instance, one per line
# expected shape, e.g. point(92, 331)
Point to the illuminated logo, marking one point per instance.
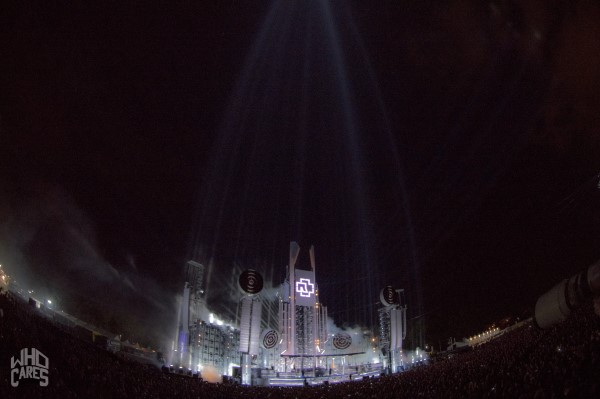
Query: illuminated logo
point(305, 288)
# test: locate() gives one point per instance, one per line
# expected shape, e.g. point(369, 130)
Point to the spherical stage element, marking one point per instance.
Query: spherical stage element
point(269, 338)
point(250, 282)
point(342, 340)
point(389, 296)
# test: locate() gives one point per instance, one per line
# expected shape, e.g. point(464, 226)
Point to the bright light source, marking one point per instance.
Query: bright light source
point(49, 302)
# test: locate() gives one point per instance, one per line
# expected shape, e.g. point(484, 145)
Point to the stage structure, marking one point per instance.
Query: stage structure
point(203, 341)
point(250, 284)
point(215, 345)
point(192, 309)
point(302, 319)
point(392, 327)
point(195, 278)
point(273, 337)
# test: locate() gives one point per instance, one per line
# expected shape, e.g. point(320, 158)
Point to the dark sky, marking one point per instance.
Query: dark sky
point(448, 149)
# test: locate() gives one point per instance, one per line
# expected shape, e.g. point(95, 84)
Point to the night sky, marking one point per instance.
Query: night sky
point(452, 150)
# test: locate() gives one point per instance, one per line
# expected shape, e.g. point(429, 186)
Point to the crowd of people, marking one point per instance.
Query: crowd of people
point(563, 361)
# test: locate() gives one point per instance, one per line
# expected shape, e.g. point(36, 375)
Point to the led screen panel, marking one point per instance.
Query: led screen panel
point(305, 288)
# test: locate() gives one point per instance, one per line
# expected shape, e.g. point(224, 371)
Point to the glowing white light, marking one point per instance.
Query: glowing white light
point(305, 288)
point(49, 302)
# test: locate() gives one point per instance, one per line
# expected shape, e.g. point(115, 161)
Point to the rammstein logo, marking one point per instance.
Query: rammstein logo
point(30, 364)
point(305, 288)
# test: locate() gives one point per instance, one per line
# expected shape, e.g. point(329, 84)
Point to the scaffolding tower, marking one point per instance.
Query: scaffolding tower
point(302, 319)
point(392, 327)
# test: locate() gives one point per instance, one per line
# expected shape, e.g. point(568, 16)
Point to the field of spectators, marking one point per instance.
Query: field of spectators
point(563, 361)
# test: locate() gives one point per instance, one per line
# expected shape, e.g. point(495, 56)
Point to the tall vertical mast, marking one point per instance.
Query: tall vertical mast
point(294, 251)
point(315, 311)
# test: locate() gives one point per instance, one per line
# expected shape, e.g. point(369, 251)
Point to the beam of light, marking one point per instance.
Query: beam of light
point(289, 160)
point(354, 148)
point(392, 144)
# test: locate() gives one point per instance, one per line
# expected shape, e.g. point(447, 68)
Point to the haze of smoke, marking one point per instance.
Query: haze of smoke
point(48, 244)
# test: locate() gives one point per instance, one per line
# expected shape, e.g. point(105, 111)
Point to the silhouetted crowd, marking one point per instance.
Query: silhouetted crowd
point(563, 361)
